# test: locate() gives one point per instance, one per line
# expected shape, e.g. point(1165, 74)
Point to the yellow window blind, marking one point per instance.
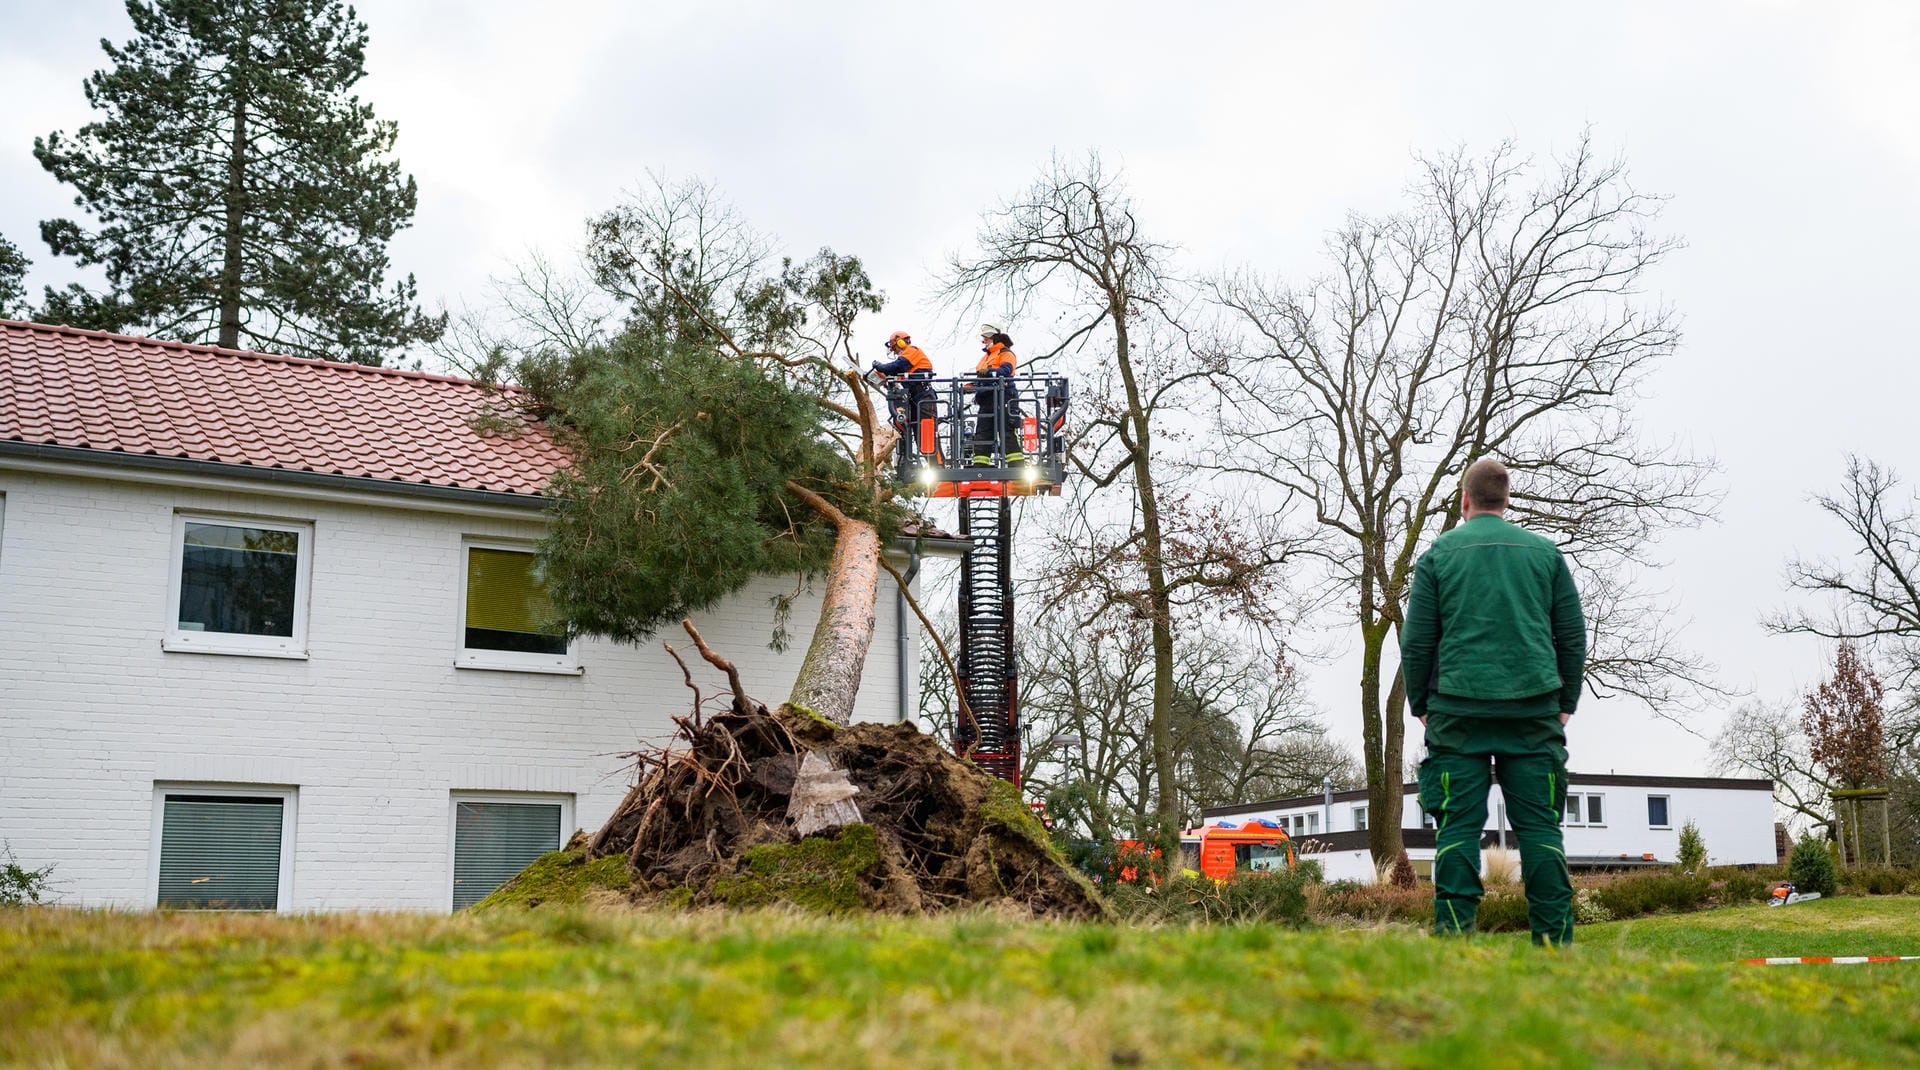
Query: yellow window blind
point(505, 593)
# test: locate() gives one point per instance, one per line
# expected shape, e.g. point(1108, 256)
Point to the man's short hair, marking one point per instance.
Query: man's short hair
point(1486, 484)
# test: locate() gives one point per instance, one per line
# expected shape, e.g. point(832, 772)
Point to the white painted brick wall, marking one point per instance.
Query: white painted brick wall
point(376, 729)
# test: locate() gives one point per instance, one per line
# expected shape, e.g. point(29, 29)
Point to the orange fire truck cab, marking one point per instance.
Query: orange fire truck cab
point(1257, 844)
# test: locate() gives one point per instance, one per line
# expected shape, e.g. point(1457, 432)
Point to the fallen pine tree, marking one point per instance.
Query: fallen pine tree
point(727, 432)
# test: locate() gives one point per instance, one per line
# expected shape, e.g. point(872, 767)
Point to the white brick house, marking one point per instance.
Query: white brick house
point(239, 648)
point(1610, 821)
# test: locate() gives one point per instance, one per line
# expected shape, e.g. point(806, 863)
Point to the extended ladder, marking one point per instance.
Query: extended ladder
point(988, 675)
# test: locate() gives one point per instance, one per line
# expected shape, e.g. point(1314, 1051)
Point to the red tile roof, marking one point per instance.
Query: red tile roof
point(60, 386)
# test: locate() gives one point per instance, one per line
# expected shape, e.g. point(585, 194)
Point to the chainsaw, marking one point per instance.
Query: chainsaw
point(1786, 896)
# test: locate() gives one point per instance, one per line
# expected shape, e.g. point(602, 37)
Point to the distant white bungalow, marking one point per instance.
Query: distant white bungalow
point(1610, 822)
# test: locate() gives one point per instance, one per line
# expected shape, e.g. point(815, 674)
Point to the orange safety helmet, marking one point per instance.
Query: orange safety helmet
point(899, 340)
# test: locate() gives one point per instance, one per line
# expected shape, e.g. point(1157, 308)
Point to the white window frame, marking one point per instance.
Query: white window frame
point(565, 799)
point(255, 646)
point(1669, 802)
point(289, 818)
point(567, 664)
point(1584, 809)
point(1579, 818)
point(1360, 817)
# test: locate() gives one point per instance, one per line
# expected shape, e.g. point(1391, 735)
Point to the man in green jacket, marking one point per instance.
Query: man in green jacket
point(1492, 652)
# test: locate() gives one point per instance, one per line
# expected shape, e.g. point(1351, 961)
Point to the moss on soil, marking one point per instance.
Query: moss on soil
point(1003, 807)
point(816, 873)
point(560, 878)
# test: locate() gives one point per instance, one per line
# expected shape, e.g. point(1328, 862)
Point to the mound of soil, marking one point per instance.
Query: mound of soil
point(709, 823)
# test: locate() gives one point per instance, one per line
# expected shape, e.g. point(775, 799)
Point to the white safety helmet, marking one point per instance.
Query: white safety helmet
point(991, 329)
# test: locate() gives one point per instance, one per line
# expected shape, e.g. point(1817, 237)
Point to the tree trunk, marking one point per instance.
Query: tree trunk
point(830, 676)
point(1380, 748)
point(230, 274)
point(1159, 600)
point(1394, 721)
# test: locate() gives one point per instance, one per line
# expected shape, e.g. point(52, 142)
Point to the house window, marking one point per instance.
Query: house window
point(506, 619)
point(1657, 812)
point(223, 848)
point(1589, 809)
point(240, 587)
point(1359, 818)
point(1427, 821)
point(1313, 823)
point(497, 836)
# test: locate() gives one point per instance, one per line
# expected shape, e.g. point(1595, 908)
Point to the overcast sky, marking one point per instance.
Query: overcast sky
point(1786, 134)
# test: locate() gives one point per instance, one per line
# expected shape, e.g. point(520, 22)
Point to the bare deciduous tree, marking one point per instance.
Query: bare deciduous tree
point(1498, 316)
point(1876, 589)
point(1242, 730)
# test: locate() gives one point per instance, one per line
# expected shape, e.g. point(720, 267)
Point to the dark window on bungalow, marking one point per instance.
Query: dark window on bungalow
point(1595, 815)
point(1657, 811)
point(507, 604)
point(238, 580)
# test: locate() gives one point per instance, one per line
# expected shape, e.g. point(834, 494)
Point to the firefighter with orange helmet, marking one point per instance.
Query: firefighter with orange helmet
point(910, 363)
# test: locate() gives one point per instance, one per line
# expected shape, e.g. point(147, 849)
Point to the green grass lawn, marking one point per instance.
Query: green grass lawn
point(775, 990)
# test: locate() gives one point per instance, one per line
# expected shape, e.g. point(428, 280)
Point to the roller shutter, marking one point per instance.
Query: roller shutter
point(493, 841)
point(221, 852)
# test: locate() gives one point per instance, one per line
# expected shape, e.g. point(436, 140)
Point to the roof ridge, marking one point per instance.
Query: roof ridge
point(248, 354)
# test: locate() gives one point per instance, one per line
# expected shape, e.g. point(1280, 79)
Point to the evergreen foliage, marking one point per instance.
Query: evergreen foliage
point(13, 287)
point(242, 193)
point(678, 495)
point(1693, 848)
point(1810, 867)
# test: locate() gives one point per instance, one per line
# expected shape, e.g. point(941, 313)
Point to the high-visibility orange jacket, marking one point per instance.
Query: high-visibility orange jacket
point(906, 361)
point(997, 360)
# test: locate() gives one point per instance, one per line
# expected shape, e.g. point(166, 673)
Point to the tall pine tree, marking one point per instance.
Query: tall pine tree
point(13, 274)
point(243, 194)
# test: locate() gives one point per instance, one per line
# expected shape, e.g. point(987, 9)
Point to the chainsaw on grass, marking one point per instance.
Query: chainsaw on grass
point(1786, 896)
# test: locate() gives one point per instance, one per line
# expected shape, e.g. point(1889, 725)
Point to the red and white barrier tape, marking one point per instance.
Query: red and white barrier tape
point(1837, 960)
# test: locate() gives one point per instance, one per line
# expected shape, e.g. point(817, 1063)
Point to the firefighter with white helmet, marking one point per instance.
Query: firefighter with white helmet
point(996, 403)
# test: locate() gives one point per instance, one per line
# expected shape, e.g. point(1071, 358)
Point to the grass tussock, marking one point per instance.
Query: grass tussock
point(1501, 866)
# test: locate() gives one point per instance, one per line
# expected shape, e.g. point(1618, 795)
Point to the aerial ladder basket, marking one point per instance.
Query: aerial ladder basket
point(982, 440)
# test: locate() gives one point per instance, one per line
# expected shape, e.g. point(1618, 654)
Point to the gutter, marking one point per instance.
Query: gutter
point(900, 630)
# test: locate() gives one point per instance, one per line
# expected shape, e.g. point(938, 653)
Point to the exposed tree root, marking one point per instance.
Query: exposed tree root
point(707, 821)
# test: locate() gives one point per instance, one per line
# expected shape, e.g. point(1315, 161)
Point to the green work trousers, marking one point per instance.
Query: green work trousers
point(1527, 756)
